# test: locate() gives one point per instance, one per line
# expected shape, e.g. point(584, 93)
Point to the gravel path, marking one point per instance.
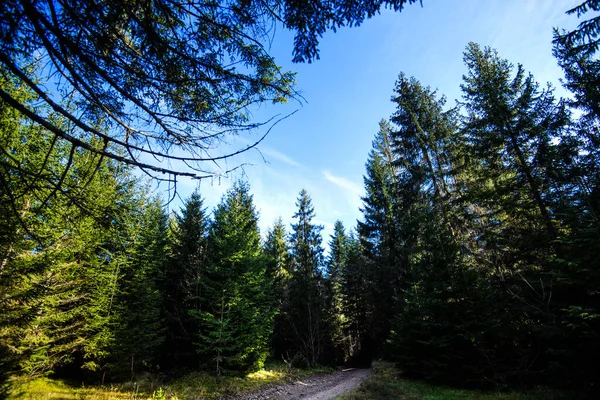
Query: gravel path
point(318, 387)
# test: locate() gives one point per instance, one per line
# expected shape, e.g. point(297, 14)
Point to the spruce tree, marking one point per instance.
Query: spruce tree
point(183, 283)
point(418, 138)
point(141, 331)
point(378, 232)
point(510, 132)
point(510, 122)
point(59, 278)
point(438, 287)
point(68, 286)
point(307, 311)
point(276, 251)
point(576, 181)
point(277, 260)
point(236, 313)
point(355, 305)
point(336, 264)
point(54, 280)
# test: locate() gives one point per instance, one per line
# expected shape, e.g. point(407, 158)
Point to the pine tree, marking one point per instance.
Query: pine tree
point(307, 311)
point(510, 124)
point(68, 285)
point(354, 301)
point(57, 280)
point(510, 129)
point(141, 330)
point(336, 264)
point(277, 259)
point(183, 283)
point(576, 202)
point(276, 251)
point(378, 232)
point(237, 311)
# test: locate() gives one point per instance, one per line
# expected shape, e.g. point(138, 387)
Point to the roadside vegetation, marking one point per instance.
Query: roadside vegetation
point(387, 382)
point(196, 385)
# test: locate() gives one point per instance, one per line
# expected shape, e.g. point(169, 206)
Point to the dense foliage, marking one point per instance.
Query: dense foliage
point(168, 80)
point(483, 219)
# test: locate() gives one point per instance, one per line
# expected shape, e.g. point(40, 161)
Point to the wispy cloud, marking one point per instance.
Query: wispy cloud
point(345, 204)
point(343, 183)
point(269, 153)
point(277, 155)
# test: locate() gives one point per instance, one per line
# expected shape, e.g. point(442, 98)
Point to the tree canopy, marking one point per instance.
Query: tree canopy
point(158, 84)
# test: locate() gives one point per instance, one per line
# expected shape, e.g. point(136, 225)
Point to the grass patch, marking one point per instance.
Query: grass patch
point(45, 388)
point(386, 383)
point(204, 386)
point(196, 385)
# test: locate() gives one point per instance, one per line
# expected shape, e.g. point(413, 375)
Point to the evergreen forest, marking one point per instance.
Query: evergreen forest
point(476, 261)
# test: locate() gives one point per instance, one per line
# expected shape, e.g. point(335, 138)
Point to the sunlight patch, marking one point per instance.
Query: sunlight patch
point(264, 375)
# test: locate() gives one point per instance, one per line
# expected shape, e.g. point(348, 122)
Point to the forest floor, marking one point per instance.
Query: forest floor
point(383, 382)
point(196, 385)
point(387, 382)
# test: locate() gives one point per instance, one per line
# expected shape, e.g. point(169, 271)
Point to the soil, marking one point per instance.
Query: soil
point(316, 387)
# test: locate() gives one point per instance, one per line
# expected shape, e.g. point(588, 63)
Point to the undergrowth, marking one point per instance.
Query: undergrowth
point(196, 385)
point(387, 383)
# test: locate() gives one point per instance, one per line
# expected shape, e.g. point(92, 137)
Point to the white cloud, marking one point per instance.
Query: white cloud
point(275, 189)
point(343, 183)
point(272, 153)
point(267, 153)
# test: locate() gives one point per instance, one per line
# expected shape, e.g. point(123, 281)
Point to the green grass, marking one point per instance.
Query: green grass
point(197, 385)
point(386, 383)
point(44, 388)
point(204, 386)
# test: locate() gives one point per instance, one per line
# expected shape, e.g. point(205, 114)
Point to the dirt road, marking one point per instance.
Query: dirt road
point(318, 387)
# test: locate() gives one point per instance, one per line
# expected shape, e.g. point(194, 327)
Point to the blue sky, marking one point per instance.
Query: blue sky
point(323, 147)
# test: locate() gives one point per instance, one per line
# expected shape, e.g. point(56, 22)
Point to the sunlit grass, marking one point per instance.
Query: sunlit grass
point(386, 382)
point(44, 388)
point(196, 385)
point(266, 375)
point(204, 386)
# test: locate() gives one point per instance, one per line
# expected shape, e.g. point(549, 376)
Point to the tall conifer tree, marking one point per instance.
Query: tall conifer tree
point(378, 232)
point(307, 308)
point(237, 311)
point(278, 266)
point(337, 262)
point(183, 283)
